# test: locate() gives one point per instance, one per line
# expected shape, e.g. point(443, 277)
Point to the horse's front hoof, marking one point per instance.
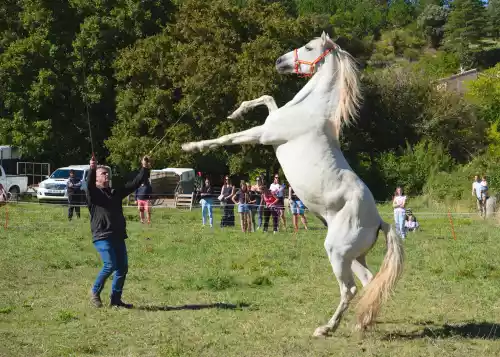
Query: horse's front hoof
point(234, 116)
point(322, 331)
point(188, 147)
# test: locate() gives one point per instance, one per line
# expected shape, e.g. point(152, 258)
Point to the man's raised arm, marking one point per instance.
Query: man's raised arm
point(91, 179)
point(141, 177)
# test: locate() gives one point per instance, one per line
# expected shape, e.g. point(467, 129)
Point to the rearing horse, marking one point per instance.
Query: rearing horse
point(305, 135)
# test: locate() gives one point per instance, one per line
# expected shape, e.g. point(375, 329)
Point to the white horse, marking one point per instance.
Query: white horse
point(305, 135)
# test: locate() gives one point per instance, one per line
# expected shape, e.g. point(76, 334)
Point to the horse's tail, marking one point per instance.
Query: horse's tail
point(380, 288)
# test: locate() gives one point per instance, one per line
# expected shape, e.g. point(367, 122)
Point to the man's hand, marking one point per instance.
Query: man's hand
point(146, 162)
point(93, 163)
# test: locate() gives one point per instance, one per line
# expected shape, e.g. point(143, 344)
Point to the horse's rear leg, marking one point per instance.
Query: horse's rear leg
point(245, 106)
point(250, 136)
point(342, 270)
point(360, 268)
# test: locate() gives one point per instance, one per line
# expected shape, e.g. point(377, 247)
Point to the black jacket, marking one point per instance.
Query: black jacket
point(206, 192)
point(105, 207)
point(77, 185)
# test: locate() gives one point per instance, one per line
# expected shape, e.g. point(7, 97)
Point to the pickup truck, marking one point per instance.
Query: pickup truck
point(53, 188)
point(14, 184)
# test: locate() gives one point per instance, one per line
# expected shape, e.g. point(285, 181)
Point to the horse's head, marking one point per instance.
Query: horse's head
point(307, 59)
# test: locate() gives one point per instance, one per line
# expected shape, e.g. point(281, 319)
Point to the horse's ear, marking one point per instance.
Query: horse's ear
point(326, 41)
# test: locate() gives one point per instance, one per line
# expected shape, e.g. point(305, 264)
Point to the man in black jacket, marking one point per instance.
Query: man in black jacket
point(109, 228)
point(73, 188)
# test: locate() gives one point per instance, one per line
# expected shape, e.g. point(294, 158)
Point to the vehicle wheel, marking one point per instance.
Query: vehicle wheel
point(14, 193)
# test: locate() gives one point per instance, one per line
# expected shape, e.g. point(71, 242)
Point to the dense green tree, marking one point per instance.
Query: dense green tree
point(362, 18)
point(431, 21)
point(493, 11)
point(401, 13)
point(218, 53)
point(464, 29)
point(58, 64)
point(485, 93)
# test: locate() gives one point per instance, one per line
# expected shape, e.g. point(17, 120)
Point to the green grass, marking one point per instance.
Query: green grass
point(264, 294)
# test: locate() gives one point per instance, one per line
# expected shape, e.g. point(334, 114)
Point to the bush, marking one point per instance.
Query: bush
point(413, 167)
point(457, 185)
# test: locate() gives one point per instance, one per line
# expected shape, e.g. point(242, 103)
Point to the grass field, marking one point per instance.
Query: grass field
point(276, 289)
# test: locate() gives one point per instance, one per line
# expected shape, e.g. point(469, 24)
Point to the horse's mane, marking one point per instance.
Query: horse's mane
point(349, 95)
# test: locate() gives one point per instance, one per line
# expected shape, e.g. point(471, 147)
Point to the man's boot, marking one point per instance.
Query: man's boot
point(95, 299)
point(116, 301)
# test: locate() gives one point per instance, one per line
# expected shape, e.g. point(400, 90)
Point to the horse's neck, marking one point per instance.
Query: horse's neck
point(320, 83)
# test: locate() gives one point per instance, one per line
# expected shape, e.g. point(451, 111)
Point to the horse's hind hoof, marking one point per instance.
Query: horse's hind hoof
point(322, 331)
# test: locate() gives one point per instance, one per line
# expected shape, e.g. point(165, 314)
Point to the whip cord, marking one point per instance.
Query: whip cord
point(87, 106)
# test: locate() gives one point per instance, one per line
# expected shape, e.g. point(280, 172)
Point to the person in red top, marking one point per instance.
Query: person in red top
point(270, 202)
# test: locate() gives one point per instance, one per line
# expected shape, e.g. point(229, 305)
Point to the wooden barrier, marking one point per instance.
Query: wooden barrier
point(183, 200)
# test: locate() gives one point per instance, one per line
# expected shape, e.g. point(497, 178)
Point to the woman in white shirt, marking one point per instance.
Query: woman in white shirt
point(398, 203)
point(277, 190)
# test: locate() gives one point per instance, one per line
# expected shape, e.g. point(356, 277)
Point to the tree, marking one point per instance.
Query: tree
point(217, 52)
point(55, 60)
point(359, 20)
point(465, 28)
point(431, 21)
point(401, 13)
point(494, 17)
point(420, 5)
point(485, 93)
point(36, 105)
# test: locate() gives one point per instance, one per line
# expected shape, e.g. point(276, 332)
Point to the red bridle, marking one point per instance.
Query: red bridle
point(312, 65)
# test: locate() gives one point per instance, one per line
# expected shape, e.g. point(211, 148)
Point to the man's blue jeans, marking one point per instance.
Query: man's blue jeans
point(114, 257)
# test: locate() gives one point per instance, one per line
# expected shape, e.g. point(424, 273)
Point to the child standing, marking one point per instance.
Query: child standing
point(297, 208)
point(484, 190)
point(143, 195)
point(241, 198)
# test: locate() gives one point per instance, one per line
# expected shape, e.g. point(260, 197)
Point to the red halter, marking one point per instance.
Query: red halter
point(312, 65)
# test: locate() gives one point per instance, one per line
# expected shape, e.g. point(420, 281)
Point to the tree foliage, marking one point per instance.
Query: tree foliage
point(431, 21)
point(464, 29)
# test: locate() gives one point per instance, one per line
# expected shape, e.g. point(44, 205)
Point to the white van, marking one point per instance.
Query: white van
point(53, 189)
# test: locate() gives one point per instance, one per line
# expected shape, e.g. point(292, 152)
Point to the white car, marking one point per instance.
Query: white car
point(53, 189)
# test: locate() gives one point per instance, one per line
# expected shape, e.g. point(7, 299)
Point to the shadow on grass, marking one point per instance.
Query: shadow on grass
point(218, 305)
point(482, 330)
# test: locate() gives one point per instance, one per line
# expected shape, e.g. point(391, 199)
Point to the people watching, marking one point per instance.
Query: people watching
point(398, 203)
point(278, 189)
point(74, 191)
point(206, 201)
point(411, 222)
point(476, 192)
point(269, 202)
point(227, 204)
point(143, 196)
point(241, 198)
point(298, 209)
